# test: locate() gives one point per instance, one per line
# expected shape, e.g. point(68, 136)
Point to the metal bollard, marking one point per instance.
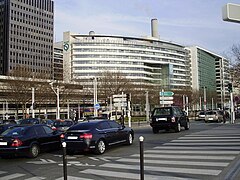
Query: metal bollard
point(141, 138)
point(64, 144)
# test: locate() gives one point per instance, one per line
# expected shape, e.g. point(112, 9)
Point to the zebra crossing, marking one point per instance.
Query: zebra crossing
point(202, 155)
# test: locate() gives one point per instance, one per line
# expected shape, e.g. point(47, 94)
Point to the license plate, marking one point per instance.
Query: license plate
point(3, 143)
point(72, 137)
point(161, 119)
point(210, 118)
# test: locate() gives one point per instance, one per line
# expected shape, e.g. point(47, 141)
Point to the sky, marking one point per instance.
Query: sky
point(185, 22)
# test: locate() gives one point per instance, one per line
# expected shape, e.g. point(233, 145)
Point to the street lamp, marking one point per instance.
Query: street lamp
point(204, 99)
point(57, 94)
point(95, 96)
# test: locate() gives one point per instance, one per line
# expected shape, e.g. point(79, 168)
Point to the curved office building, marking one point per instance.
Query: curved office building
point(141, 60)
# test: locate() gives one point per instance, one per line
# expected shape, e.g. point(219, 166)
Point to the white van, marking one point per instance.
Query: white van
point(115, 115)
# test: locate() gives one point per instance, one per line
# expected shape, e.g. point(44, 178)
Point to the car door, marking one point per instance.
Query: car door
point(120, 135)
point(107, 132)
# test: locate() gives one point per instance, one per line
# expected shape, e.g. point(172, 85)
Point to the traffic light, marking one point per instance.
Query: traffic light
point(230, 87)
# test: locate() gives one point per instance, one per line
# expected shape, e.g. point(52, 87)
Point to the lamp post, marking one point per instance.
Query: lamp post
point(204, 99)
point(57, 94)
point(33, 101)
point(95, 96)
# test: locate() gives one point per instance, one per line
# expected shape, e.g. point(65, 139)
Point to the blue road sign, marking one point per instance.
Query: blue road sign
point(97, 106)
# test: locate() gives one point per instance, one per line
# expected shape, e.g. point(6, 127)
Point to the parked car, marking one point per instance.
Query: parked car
point(48, 122)
point(201, 116)
point(214, 115)
point(169, 118)
point(4, 127)
point(96, 136)
point(62, 125)
point(30, 121)
point(28, 140)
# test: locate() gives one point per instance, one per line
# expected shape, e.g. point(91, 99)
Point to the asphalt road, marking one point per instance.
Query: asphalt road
point(206, 151)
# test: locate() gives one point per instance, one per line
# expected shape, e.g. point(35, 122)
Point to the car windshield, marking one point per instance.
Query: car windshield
point(15, 131)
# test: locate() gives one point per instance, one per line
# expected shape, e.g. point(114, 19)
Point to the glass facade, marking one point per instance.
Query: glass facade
point(140, 60)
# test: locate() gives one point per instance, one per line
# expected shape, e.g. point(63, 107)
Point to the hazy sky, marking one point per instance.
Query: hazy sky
point(186, 22)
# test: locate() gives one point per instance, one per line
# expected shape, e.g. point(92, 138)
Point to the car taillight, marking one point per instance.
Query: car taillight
point(86, 136)
point(16, 143)
point(173, 119)
point(62, 136)
point(54, 128)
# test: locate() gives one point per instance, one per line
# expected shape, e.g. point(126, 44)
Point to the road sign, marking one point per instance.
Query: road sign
point(167, 93)
point(97, 106)
point(231, 12)
point(120, 104)
point(119, 99)
point(166, 98)
point(166, 102)
point(119, 95)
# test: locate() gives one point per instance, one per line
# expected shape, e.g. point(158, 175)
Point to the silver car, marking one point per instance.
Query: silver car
point(213, 115)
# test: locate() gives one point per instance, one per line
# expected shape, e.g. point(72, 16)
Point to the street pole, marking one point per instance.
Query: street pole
point(232, 108)
point(58, 108)
point(64, 144)
point(141, 138)
point(147, 107)
point(95, 96)
point(33, 101)
point(204, 99)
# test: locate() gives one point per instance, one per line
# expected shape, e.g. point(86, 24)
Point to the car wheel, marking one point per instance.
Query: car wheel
point(155, 130)
point(178, 127)
point(187, 126)
point(34, 151)
point(129, 139)
point(100, 147)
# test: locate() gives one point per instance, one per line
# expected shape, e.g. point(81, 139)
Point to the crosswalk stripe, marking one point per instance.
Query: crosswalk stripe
point(192, 152)
point(73, 178)
point(233, 148)
point(12, 176)
point(200, 137)
point(212, 135)
point(187, 163)
point(127, 175)
point(35, 178)
point(2, 172)
point(206, 140)
point(164, 169)
point(200, 144)
point(185, 157)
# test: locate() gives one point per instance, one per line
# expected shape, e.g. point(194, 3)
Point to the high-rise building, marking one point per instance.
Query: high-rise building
point(26, 35)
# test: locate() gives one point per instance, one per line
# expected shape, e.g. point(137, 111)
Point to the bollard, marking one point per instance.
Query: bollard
point(141, 138)
point(64, 144)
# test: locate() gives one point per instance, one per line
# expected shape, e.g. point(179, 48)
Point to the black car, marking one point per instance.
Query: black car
point(28, 140)
point(167, 118)
point(4, 127)
point(30, 121)
point(62, 125)
point(96, 136)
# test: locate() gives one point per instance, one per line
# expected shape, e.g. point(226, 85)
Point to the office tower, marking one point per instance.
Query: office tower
point(26, 35)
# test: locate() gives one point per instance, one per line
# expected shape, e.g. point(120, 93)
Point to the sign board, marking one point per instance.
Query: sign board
point(119, 95)
point(120, 99)
point(166, 102)
point(97, 106)
point(231, 12)
point(166, 98)
point(167, 93)
point(119, 104)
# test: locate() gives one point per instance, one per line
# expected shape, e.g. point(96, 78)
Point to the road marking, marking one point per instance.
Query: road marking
point(164, 169)
point(202, 144)
point(2, 172)
point(206, 140)
point(185, 157)
point(234, 148)
point(201, 137)
point(12, 176)
point(128, 175)
point(192, 152)
point(43, 161)
point(35, 178)
point(74, 178)
point(190, 163)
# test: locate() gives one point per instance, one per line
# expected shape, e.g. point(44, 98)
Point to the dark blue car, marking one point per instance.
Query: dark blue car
point(28, 140)
point(97, 136)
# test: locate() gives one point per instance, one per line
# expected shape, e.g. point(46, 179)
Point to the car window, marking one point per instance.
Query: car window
point(14, 131)
point(47, 129)
point(162, 111)
point(30, 132)
point(40, 130)
point(103, 125)
point(114, 124)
